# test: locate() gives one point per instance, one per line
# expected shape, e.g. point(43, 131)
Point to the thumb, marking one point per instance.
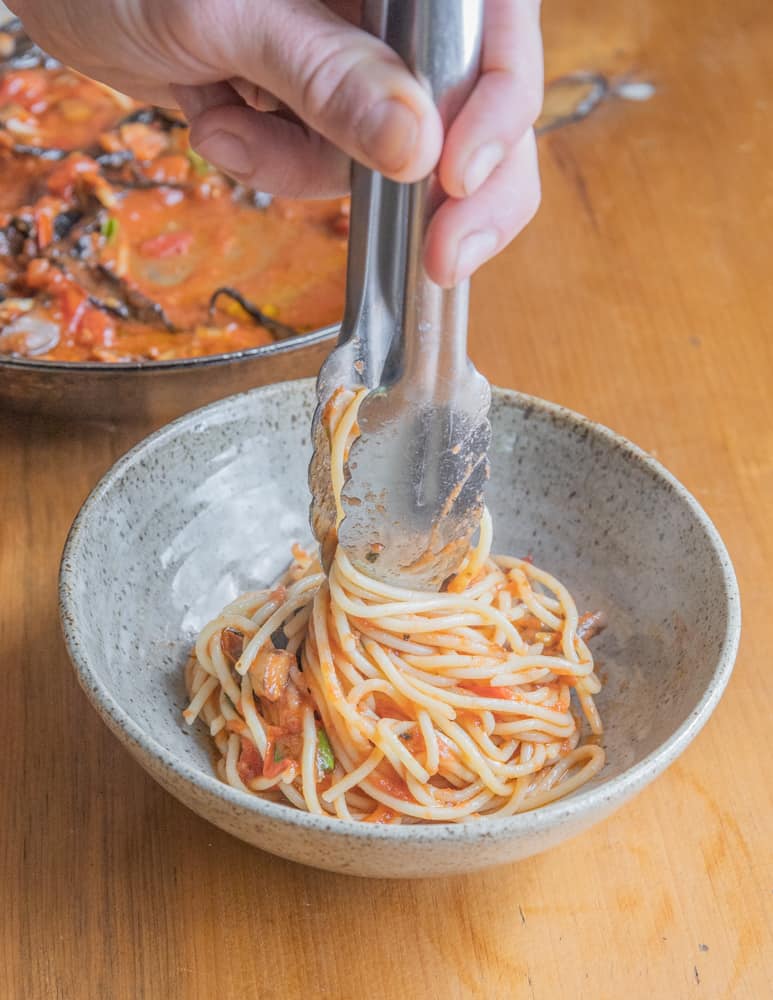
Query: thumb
point(343, 83)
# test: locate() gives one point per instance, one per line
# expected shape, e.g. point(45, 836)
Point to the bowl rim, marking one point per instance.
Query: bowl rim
point(287, 346)
point(600, 798)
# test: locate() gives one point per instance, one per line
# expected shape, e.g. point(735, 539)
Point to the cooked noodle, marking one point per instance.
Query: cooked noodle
point(344, 696)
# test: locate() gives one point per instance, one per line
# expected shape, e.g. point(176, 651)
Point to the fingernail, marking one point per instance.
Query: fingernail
point(388, 134)
point(482, 163)
point(228, 152)
point(474, 249)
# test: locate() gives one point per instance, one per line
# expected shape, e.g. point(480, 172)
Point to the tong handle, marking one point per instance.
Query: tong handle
point(375, 271)
point(375, 267)
point(412, 330)
point(440, 40)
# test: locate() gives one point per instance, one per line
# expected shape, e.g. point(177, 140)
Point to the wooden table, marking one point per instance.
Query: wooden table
point(641, 296)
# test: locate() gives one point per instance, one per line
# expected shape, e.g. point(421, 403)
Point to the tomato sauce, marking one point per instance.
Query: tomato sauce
point(115, 236)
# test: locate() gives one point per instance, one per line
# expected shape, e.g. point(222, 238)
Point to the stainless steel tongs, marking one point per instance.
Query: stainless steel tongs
point(415, 476)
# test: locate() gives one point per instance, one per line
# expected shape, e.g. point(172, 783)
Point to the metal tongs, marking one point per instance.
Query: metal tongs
point(413, 494)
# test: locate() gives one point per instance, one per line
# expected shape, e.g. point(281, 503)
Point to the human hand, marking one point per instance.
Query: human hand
point(280, 95)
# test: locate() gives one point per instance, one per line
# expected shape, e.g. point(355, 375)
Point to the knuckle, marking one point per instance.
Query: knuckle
point(325, 78)
point(528, 95)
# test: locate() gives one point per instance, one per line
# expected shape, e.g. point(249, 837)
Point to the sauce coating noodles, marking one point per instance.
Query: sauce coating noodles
point(341, 695)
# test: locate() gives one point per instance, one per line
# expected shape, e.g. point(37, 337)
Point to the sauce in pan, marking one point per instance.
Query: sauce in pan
point(119, 243)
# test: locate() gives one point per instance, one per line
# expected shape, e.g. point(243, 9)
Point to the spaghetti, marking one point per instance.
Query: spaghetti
point(344, 696)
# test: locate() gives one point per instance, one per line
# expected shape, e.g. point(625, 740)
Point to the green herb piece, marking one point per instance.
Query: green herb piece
point(325, 756)
point(278, 755)
point(199, 164)
point(109, 228)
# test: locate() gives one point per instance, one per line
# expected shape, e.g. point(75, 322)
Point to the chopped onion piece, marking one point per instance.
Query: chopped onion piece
point(29, 336)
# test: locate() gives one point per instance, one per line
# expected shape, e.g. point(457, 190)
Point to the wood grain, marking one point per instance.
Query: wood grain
point(640, 296)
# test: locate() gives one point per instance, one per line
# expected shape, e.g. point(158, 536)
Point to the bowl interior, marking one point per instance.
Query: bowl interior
point(210, 505)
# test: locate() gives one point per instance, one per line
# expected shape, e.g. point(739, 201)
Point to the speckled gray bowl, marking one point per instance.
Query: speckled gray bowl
point(209, 506)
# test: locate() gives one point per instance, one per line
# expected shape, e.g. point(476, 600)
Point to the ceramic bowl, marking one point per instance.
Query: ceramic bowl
point(209, 506)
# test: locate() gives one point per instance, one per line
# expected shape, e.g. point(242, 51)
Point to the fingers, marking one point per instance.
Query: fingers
point(253, 95)
point(344, 84)
point(261, 151)
point(465, 233)
point(269, 153)
point(194, 101)
point(489, 163)
point(506, 100)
